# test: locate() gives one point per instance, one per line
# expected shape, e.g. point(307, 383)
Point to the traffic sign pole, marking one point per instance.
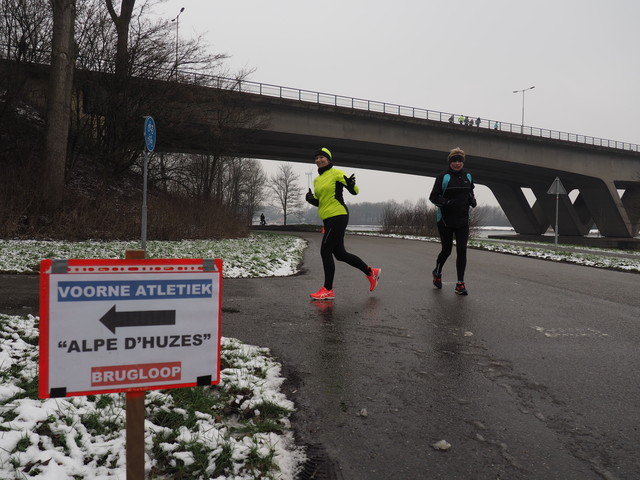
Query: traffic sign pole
point(143, 239)
point(557, 189)
point(556, 229)
point(150, 143)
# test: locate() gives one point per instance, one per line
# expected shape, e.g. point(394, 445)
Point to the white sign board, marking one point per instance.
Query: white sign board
point(124, 325)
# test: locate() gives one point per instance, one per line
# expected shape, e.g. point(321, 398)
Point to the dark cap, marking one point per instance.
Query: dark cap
point(456, 154)
point(323, 152)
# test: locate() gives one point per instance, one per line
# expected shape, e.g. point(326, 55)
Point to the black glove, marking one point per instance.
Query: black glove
point(472, 200)
point(351, 182)
point(311, 199)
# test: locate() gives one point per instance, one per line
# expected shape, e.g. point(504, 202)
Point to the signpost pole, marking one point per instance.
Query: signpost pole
point(556, 229)
point(135, 416)
point(557, 189)
point(150, 144)
point(135, 435)
point(143, 240)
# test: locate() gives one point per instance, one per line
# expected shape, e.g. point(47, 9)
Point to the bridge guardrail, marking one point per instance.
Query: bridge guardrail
point(310, 96)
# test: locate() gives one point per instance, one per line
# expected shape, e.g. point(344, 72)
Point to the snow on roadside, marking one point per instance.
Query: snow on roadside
point(84, 436)
point(258, 255)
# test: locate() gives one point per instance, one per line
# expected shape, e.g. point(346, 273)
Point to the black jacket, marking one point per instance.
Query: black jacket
point(453, 202)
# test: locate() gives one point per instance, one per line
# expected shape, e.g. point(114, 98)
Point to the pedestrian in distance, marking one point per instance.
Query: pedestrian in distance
point(327, 195)
point(478, 122)
point(262, 219)
point(451, 119)
point(461, 119)
point(453, 194)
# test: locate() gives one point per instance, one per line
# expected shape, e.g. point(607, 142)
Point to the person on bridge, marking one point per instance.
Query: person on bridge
point(328, 187)
point(453, 194)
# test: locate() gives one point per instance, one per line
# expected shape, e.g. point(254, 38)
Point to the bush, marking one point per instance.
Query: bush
point(410, 220)
point(419, 219)
point(95, 207)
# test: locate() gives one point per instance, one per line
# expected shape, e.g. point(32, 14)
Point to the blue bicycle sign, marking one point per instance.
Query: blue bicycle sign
point(150, 133)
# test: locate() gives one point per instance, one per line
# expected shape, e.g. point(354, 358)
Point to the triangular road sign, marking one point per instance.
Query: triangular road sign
point(557, 188)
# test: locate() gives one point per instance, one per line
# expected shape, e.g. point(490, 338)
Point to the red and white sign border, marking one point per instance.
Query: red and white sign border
point(115, 266)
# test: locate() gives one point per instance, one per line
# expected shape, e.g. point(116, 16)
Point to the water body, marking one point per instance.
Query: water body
point(484, 232)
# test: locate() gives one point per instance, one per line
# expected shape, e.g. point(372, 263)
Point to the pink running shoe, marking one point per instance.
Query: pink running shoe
point(373, 278)
point(323, 294)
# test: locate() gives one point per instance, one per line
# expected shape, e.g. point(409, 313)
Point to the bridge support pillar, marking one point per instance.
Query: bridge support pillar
point(570, 222)
point(603, 202)
point(631, 203)
point(524, 219)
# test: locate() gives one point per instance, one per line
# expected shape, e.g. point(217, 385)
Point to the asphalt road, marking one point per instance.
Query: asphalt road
point(533, 375)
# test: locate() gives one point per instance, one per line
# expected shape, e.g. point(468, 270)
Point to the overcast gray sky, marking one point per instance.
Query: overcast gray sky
point(464, 56)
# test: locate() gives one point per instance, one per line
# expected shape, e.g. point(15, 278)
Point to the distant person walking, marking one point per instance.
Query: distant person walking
point(453, 194)
point(328, 189)
point(262, 219)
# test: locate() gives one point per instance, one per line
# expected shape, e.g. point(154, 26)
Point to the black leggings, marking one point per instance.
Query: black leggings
point(446, 238)
point(333, 245)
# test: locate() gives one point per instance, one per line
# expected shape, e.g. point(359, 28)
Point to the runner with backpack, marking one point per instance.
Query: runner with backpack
point(453, 194)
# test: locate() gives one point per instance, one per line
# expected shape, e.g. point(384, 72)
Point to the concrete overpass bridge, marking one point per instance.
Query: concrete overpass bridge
point(506, 158)
point(380, 136)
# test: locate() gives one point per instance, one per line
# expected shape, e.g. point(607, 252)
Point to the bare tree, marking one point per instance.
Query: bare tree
point(286, 191)
point(119, 38)
point(121, 23)
point(244, 186)
point(255, 187)
point(143, 49)
point(58, 103)
point(25, 30)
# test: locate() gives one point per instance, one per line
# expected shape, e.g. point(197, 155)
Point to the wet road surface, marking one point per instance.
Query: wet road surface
point(533, 375)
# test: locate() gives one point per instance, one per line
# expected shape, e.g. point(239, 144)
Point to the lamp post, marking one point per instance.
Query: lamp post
point(177, 20)
point(522, 91)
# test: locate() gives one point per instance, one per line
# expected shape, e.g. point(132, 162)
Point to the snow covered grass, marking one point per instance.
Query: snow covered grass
point(238, 430)
point(258, 255)
point(600, 258)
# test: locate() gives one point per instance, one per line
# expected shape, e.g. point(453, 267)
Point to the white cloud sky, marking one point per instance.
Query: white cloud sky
point(466, 56)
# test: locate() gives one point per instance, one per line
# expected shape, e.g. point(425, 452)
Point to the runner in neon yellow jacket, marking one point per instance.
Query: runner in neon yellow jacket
point(328, 188)
point(328, 197)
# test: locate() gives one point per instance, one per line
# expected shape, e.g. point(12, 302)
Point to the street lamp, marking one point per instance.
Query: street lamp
point(519, 91)
point(177, 20)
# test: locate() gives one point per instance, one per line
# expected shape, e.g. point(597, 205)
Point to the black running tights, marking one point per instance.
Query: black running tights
point(446, 239)
point(333, 245)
